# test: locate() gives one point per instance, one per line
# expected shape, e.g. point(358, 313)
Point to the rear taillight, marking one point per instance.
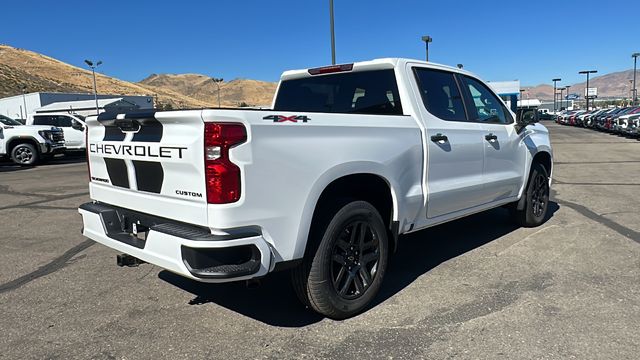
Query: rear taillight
point(221, 175)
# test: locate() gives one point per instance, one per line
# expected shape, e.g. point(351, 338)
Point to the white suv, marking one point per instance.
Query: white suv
point(26, 145)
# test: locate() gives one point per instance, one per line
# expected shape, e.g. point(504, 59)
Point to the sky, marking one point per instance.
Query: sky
point(532, 41)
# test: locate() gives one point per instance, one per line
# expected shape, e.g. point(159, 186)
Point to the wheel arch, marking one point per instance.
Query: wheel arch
point(370, 186)
point(13, 142)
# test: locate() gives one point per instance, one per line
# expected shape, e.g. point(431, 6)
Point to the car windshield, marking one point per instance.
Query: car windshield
point(9, 121)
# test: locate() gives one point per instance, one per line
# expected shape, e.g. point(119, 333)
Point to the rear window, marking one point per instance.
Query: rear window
point(363, 92)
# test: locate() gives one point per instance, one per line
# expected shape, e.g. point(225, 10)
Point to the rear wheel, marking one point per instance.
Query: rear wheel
point(536, 201)
point(345, 273)
point(24, 154)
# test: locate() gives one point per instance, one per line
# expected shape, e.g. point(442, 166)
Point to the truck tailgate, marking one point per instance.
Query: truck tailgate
point(151, 162)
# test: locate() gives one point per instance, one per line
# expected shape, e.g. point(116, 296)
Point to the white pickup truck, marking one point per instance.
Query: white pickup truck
point(29, 144)
point(348, 158)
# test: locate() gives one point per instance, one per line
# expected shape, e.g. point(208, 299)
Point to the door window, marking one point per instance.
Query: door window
point(64, 121)
point(485, 106)
point(45, 120)
point(440, 94)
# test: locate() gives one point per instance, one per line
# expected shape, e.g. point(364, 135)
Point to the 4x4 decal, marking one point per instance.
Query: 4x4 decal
point(282, 118)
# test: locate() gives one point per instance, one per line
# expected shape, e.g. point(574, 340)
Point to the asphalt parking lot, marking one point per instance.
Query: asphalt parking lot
point(477, 288)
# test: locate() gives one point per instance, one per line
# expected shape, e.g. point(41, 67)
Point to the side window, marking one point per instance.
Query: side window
point(440, 94)
point(45, 120)
point(64, 121)
point(485, 106)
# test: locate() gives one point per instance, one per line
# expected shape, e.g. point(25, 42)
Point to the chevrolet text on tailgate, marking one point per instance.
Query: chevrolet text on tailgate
point(348, 158)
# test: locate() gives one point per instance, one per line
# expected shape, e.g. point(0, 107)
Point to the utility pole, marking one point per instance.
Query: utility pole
point(333, 35)
point(554, 93)
point(587, 72)
point(427, 39)
point(635, 91)
point(95, 87)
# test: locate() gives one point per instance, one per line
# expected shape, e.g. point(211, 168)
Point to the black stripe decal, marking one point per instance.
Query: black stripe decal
point(150, 130)
point(117, 170)
point(149, 175)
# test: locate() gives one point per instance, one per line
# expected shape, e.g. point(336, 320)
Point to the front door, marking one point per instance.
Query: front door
point(504, 152)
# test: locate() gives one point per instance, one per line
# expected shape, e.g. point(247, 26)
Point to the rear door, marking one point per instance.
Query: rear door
point(150, 162)
point(455, 156)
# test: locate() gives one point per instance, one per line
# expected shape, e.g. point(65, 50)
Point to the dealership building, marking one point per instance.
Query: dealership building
point(19, 106)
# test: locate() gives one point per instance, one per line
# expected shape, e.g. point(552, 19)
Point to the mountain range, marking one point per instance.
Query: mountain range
point(612, 85)
point(23, 69)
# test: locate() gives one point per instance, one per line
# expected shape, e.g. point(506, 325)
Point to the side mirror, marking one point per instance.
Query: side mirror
point(77, 126)
point(526, 117)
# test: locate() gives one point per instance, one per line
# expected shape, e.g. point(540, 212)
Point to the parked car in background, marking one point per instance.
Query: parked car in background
point(72, 125)
point(27, 145)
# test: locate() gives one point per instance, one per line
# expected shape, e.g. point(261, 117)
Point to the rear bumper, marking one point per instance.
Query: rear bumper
point(186, 250)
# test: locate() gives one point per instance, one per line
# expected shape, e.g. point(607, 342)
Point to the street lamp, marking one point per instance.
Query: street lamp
point(427, 39)
point(554, 93)
point(24, 101)
point(587, 72)
point(217, 81)
point(568, 87)
point(561, 91)
point(95, 88)
point(333, 35)
point(635, 92)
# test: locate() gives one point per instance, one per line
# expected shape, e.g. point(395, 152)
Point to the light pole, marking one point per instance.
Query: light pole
point(568, 87)
point(561, 91)
point(427, 39)
point(24, 101)
point(522, 97)
point(554, 93)
point(217, 81)
point(333, 35)
point(95, 87)
point(586, 97)
point(635, 92)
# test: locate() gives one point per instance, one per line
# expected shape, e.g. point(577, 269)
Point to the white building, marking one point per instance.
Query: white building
point(88, 107)
point(14, 106)
point(509, 91)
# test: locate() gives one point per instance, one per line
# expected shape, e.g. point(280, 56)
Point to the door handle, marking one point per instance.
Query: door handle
point(490, 137)
point(439, 138)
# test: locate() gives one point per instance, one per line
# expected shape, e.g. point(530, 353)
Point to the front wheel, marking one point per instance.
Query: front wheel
point(24, 154)
point(345, 273)
point(536, 201)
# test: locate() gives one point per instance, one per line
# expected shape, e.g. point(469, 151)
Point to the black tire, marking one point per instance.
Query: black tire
point(343, 272)
point(25, 154)
point(536, 201)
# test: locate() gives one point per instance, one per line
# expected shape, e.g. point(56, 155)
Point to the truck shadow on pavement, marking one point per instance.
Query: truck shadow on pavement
point(72, 158)
point(275, 303)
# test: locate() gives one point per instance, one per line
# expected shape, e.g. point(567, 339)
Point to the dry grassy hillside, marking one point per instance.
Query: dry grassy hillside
point(36, 72)
point(202, 87)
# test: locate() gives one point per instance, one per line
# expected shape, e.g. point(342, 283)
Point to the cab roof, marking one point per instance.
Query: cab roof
point(375, 64)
